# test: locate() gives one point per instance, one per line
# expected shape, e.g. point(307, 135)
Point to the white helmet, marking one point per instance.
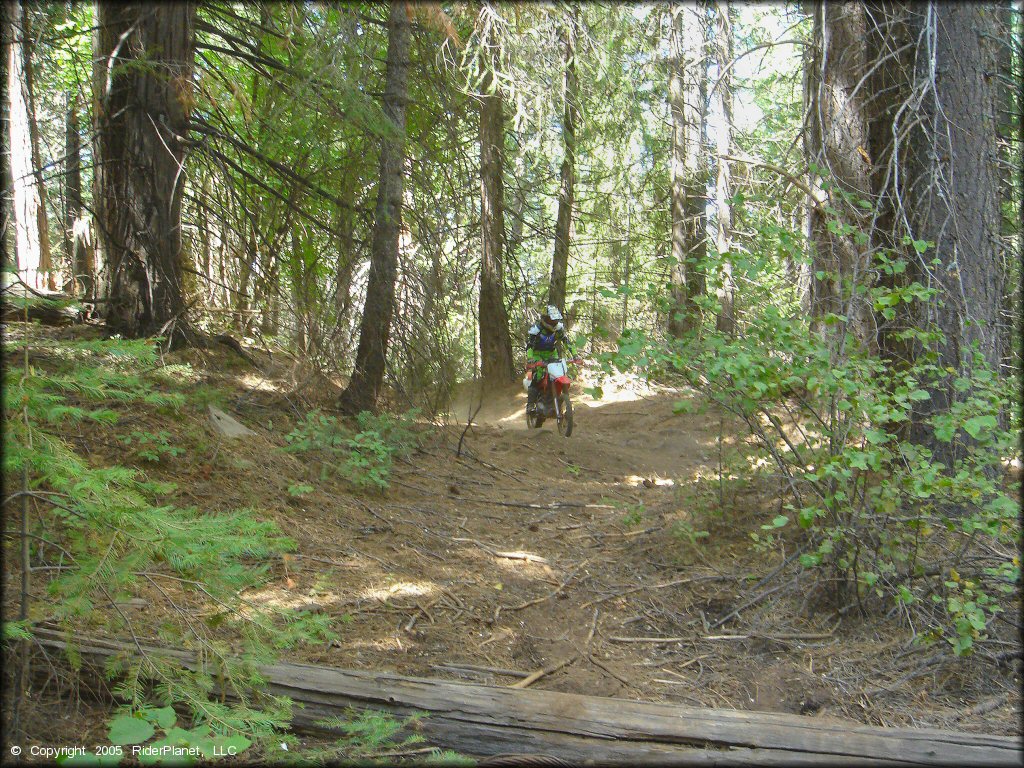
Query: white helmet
point(553, 313)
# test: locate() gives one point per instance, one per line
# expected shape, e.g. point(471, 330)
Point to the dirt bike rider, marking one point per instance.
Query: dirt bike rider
point(542, 343)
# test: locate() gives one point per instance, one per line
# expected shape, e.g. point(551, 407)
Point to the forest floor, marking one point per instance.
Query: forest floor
point(621, 541)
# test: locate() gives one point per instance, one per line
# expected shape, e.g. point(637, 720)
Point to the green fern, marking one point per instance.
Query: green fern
point(104, 527)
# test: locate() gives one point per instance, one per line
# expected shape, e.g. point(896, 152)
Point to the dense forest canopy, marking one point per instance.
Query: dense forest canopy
point(709, 115)
point(808, 213)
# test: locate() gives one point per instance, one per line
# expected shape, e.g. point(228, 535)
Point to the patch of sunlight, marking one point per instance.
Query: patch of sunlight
point(519, 554)
point(623, 388)
point(518, 561)
point(381, 644)
point(401, 589)
point(278, 597)
point(650, 481)
point(760, 462)
point(259, 383)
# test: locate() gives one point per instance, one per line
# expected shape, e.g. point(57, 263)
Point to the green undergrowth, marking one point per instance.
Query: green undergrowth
point(100, 534)
point(890, 505)
point(362, 455)
point(368, 737)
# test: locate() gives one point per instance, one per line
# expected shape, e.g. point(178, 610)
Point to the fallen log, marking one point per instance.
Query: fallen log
point(19, 301)
point(485, 720)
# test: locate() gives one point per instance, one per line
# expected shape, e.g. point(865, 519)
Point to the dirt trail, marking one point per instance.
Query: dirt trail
point(530, 549)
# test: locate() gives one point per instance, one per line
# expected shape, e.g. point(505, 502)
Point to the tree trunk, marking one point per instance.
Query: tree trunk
point(838, 148)
point(344, 226)
point(1009, 107)
point(566, 192)
point(368, 374)
point(145, 54)
point(76, 226)
point(46, 265)
point(8, 258)
point(73, 172)
point(686, 98)
point(1017, 297)
point(205, 245)
point(495, 343)
point(32, 237)
point(268, 282)
point(726, 293)
point(515, 237)
point(952, 185)
point(300, 310)
point(243, 302)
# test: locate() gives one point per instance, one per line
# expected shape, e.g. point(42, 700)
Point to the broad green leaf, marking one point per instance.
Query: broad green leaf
point(974, 425)
point(165, 717)
point(127, 729)
point(876, 436)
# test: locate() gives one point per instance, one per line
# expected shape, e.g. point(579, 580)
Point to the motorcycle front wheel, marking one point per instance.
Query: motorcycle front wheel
point(533, 420)
point(565, 421)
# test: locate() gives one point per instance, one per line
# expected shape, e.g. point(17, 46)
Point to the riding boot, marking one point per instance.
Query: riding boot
point(531, 398)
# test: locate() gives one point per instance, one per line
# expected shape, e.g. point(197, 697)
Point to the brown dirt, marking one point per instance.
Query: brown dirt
point(529, 548)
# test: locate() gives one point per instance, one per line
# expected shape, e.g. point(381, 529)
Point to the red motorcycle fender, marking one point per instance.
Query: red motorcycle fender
point(561, 384)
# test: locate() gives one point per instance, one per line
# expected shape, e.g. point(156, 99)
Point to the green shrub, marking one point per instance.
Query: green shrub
point(363, 456)
point(150, 446)
point(131, 734)
point(885, 502)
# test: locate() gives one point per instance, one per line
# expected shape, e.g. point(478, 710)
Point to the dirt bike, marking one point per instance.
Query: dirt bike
point(553, 397)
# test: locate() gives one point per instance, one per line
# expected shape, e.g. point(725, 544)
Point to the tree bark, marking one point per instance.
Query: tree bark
point(686, 96)
point(205, 245)
point(344, 226)
point(1016, 301)
point(76, 227)
point(723, 50)
point(952, 185)
point(839, 150)
point(145, 54)
point(1008, 107)
point(300, 309)
point(8, 258)
point(495, 344)
point(932, 138)
point(32, 236)
point(248, 256)
point(367, 380)
point(566, 189)
point(73, 165)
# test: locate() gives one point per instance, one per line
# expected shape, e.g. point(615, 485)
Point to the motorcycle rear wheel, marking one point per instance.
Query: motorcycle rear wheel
point(565, 422)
